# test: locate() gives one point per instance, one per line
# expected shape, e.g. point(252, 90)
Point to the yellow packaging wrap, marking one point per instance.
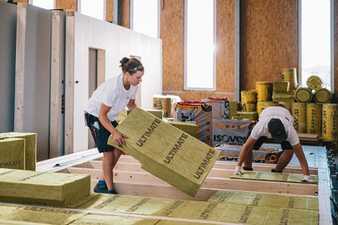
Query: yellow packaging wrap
point(264, 91)
point(322, 95)
point(249, 96)
point(167, 152)
point(30, 147)
point(12, 151)
point(233, 108)
point(313, 118)
point(314, 82)
point(247, 115)
point(280, 87)
point(290, 75)
point(263, 105)
point(55, 189)
point(299, 114)
point(303, 94)
point(330, 122)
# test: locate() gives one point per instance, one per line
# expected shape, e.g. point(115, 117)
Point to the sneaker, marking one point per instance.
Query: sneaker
point(247, 168)
point(274, 170)
point(112, 191)
point(101, 187)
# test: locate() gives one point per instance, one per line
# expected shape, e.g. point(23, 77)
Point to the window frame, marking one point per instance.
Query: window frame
point(214, 76)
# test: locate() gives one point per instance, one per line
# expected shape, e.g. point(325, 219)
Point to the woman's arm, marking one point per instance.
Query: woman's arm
point(103, 118)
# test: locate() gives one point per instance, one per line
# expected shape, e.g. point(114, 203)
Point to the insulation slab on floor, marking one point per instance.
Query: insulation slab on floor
point(12, 153)
point(54, 189)
point(224, 212)
point(166, 152)
point(266, 200)
point(30, 147)
point(277, 177)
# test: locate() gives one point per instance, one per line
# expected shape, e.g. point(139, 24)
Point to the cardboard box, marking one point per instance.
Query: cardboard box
point(230, 131)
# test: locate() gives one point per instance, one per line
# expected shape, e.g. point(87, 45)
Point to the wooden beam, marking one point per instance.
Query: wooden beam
point(223, 183)
point(57, 76)
point(232, 164)
point(69, 84)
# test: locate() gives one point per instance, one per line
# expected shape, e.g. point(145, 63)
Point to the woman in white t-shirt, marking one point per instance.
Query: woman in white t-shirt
point(276, 123)
point(107, 101)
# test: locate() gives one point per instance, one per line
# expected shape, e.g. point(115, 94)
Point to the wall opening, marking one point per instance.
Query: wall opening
point(96, 76)
point(316, 40)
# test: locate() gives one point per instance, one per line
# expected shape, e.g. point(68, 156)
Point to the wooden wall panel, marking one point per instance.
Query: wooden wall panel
point(269, 39)
point(69, 5)
point(109, 10)
point(124, 8)
point(172, 35)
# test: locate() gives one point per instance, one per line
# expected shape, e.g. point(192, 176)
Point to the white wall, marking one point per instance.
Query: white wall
point(117, 42)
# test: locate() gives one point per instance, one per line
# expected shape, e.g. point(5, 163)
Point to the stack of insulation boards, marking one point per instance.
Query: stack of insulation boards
point(28, 151)
point(223, 207)
point(52, 189)
point(166, 151)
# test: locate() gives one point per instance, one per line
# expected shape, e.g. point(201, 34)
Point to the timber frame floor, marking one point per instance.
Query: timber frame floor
point(131, 179)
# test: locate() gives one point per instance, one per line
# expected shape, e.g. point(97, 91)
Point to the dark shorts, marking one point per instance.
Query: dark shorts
point(284, 144)
point(99, 133)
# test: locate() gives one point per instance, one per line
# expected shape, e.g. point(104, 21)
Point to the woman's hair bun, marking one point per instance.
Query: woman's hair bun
point(123, 61)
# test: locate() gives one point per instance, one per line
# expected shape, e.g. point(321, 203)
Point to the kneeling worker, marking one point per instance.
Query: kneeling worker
point(274, 122)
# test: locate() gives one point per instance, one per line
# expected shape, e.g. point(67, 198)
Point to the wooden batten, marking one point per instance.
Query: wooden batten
point(67, 5)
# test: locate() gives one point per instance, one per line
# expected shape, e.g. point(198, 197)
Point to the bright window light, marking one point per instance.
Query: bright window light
point(199, 44)
point(45, 4)
point(316, 40)
point(92, 8)
point(145, 17)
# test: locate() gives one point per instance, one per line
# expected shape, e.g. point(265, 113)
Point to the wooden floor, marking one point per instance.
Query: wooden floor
point(131, 179)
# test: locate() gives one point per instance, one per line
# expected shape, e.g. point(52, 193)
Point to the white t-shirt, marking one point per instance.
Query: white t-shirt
point(113, 94)
point(278, 112)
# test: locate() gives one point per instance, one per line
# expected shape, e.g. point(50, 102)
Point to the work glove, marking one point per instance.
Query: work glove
point(238, 171)
point(307, 179)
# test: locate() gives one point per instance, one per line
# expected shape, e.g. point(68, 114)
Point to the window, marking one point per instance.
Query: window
point(145, 17)
point(45, 4)
point(92, 8)
point(316, 39)
point(199, 44)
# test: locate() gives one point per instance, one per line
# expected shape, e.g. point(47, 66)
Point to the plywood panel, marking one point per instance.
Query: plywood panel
point(7, 65)
point(124, 11)
point(109, 10)
point(69, 5)
point(172, 35)
point(269, 39)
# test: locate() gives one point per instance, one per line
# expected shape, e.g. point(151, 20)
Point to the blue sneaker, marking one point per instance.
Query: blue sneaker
point(101, 187)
